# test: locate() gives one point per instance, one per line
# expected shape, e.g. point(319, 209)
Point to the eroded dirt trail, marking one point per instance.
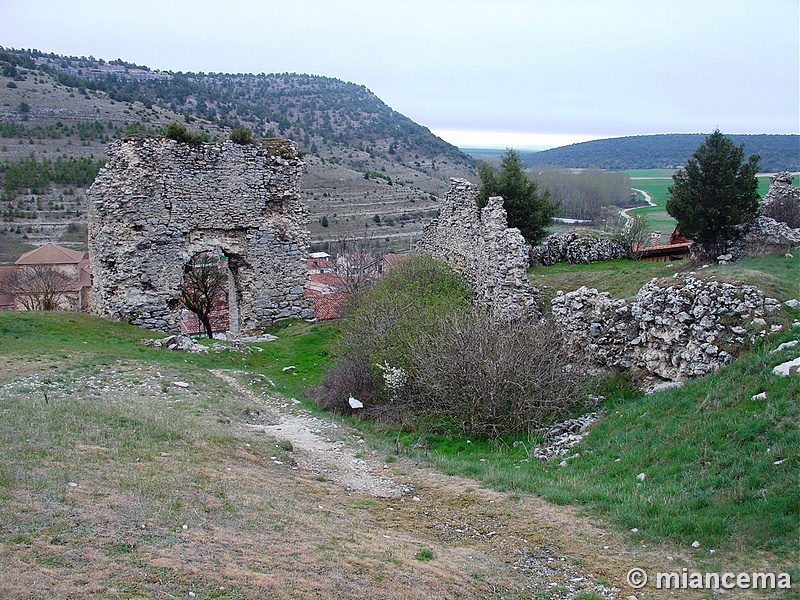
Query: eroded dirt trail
point(507, 544)
point(313, 448)
point(136, 480)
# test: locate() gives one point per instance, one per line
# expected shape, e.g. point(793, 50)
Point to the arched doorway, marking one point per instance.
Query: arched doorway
point(205, 294)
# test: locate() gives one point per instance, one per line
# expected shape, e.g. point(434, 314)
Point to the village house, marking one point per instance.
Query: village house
point(48, 278)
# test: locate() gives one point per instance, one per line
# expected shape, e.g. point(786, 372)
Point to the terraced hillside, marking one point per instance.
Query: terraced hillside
point(370, 170)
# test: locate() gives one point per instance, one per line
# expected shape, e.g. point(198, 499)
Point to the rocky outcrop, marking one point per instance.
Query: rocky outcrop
point(479, 245)
point(574, 249)
point(158, 203)
point(674, 329)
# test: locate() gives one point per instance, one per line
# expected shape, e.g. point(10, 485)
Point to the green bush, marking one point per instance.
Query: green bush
point(241, 135)
point(179, 133)
point(417, 354)
point(382, 322)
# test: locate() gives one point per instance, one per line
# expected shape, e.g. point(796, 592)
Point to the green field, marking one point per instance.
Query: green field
point(656, 182)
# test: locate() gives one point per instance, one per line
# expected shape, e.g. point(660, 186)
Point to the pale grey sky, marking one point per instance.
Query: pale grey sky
point(476, 72)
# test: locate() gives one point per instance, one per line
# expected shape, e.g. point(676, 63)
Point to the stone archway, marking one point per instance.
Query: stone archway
point(205, 294)
point(158, 202)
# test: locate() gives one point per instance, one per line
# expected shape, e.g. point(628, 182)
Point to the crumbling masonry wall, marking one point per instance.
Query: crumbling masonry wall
point(159, 202)
point(479, 245)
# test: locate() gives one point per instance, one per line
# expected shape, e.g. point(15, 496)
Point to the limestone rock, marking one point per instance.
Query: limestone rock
point(674, 329)
point(574, 249)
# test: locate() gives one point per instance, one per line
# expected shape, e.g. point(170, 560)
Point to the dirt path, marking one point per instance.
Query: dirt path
point(647, 198)
point(314, 449)
point(140, 480)
point(520, 543)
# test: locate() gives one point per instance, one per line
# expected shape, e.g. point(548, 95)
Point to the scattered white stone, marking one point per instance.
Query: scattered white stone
point(354, 403)
point(785, 346)
point(787, 368)
point(184, 526)
point(289, 368)
point(641, 476)
point(779, 462)
point(695, 544)
point(561, 437)
point(72, 484)
point(181, 384)
point(635, 530)
point(760, 396)
point(792, 303)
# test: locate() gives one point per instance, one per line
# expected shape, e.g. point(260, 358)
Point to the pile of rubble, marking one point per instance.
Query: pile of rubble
point(674, 329)
point(181, 343)
point(572, 248)
point(561, 437)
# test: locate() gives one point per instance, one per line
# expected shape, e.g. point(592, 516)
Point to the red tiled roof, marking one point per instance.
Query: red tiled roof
point(326, 306)
point(50, 254)
point(325, 279)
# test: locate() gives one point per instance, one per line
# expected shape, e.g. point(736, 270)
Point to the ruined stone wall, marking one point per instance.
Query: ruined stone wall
point(674, 329)
point(159, 202)
point(479, 245)
point(781, 189)
point(576, 249)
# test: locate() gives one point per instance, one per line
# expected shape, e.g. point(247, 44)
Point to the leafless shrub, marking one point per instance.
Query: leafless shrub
point(37, 287)
point(351, 377)
point(489, 378)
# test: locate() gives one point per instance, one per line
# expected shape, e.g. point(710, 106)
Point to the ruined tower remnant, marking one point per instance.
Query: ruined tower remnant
point(479, 245)
point(158, 203)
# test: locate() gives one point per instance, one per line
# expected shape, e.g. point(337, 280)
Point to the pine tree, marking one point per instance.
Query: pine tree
point(714, 192)
point(527, 209)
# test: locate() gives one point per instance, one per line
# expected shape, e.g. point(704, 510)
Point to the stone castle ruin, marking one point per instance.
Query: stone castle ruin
point(479, 245)
point(159, 203)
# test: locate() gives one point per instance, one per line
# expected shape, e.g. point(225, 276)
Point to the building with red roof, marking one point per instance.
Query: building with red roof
point(50, 277)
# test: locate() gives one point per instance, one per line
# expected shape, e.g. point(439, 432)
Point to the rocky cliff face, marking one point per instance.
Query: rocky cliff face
point(158, 203)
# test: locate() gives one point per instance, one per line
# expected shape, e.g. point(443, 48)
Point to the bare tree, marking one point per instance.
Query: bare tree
point(204, 287)
point(37, 287)
point(358, 263)
point(633, 234)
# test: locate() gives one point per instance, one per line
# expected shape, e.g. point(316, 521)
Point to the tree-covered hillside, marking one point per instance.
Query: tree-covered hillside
point(318, 113)
point(369, 171)
point(668, 151)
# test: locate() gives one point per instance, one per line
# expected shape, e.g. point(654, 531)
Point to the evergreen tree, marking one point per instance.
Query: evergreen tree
point(527, 209)
point(714, 192)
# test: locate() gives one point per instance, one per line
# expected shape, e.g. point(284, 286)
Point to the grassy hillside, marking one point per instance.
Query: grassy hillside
point(719, 467)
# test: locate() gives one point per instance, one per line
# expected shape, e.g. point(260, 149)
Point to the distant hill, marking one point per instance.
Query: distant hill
point(667, 151)
point(320, 114)
point(363, 159)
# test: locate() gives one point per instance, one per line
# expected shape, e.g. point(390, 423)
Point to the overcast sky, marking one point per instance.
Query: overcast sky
point(476, 72)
